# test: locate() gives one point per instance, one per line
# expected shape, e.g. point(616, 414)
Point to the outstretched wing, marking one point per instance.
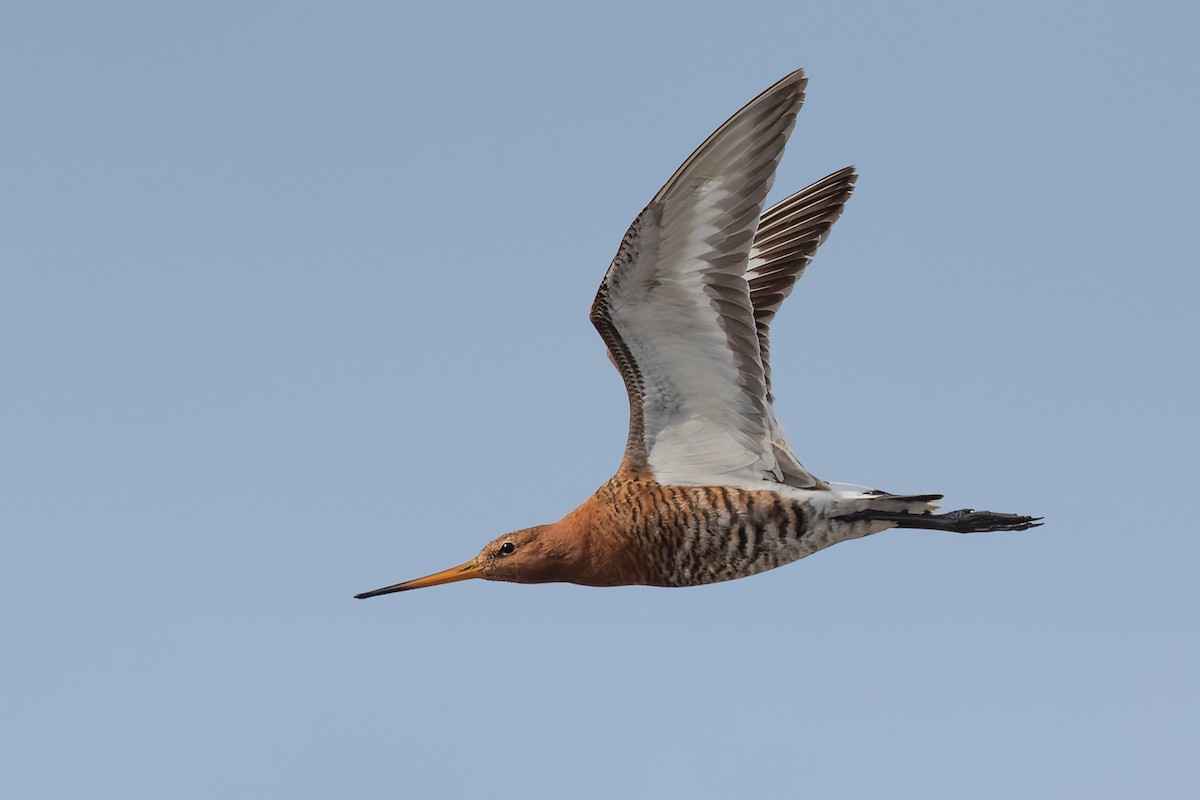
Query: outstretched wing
point(788, 235)
point(675, 310)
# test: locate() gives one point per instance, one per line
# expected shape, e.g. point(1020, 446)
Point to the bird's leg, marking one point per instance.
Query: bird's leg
point(965, 520)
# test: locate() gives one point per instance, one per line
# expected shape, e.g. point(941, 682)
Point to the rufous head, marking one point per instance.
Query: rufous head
point(532, 555)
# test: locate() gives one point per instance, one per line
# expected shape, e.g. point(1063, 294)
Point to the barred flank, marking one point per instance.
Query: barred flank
point(690, 535)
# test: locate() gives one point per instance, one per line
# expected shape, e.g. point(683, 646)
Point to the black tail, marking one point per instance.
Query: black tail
point(966, 520)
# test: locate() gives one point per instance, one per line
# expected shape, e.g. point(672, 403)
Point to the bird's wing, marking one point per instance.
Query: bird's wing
point(674, 308)
point(788, 235)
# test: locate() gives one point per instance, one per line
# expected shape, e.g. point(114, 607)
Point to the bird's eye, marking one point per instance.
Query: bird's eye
point(507, 548)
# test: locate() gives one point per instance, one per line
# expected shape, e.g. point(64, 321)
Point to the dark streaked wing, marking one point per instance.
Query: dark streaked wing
point(788, 235)
point(675, 308)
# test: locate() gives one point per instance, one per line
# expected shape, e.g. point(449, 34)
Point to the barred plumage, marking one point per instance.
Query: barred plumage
point(690, 535)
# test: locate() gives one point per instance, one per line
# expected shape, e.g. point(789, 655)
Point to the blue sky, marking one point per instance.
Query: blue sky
point(293, 304)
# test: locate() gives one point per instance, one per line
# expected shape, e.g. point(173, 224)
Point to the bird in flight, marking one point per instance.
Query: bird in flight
point(709, 488)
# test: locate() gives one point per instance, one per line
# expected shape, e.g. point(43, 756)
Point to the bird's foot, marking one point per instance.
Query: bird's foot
point(968, 520)
point(965, 520)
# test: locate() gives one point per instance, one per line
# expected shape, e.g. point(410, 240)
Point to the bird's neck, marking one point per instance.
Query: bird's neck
point(596, 555)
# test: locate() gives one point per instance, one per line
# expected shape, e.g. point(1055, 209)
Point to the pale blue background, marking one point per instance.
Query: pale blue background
point(293, 305)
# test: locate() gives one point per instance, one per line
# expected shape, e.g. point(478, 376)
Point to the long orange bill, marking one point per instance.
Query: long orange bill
point(460, 573)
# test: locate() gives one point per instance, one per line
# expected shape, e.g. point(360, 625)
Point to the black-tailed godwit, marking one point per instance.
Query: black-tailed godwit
point(709, 488)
